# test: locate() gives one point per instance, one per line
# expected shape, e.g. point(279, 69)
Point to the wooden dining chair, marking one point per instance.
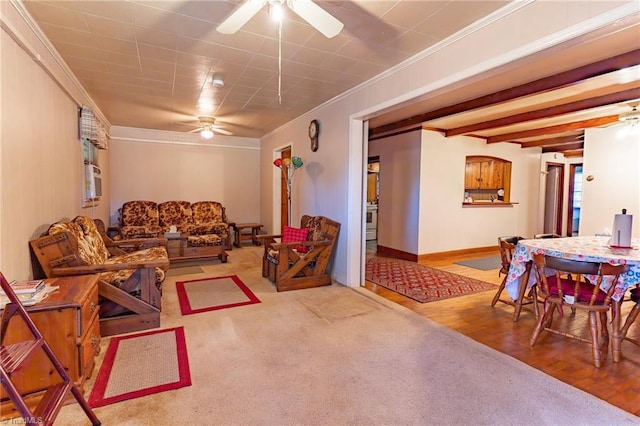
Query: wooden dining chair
point(539, 236)
point(507, 247)
point(634, 296)
point(567, 285)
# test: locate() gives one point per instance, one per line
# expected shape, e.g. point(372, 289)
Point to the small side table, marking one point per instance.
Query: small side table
point(246, 236)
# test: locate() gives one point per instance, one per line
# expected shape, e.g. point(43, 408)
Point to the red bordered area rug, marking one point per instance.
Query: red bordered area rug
point(210, 294)
point(125, 375)
point(419, 282)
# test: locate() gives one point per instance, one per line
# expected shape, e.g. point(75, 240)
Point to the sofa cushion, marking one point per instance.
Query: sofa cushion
point(93, 239)
point(314, 223)
point(118, 277)
point(91, 248)
point(221, 229)
point(153, 231)
point(139, 219)
point(139, 213)
point(204, 240)
point(175, 213)
point(207, 212)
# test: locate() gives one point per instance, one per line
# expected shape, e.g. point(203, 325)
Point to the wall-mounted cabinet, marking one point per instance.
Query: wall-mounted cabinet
point(484, 173)
point(487, 179)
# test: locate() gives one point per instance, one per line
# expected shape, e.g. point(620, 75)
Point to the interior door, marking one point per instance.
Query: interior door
point(284, 211)
point(553, 199)
point(575, 199)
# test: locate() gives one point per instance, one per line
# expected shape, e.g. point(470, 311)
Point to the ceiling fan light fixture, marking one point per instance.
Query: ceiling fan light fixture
point(276, 10)
point(631, 117)
point(206, 133)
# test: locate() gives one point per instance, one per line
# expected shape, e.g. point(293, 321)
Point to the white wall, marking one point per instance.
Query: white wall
point(162, 166)
point(448, 225)
point(41, 166)
point(399, 201)
point(613, 163)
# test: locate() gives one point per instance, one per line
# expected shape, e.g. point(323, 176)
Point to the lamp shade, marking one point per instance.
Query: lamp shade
point(277, 162)
point(297, 162)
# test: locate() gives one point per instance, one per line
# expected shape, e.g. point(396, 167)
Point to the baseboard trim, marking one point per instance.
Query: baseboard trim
point(396, 254)
point(412, 257)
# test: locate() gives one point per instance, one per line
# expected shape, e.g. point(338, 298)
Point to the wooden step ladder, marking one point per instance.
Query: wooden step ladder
point(16, 356)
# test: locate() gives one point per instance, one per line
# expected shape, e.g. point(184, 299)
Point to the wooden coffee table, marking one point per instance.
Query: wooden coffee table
point(178, 250)
point(246, 236)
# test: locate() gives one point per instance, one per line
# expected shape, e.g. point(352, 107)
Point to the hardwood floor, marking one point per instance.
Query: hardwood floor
point(565, 359)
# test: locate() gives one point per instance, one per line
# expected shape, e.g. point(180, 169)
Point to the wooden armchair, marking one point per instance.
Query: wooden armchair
point(301, 264)
point(129, 281)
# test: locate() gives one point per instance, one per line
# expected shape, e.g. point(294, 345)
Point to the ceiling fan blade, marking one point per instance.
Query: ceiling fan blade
point(221, 131)
point(316, 16)
point(240, 16)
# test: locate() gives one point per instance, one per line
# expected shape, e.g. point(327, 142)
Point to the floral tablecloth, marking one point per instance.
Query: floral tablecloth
point(588, 249)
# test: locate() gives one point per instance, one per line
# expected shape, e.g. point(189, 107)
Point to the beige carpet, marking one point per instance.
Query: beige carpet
point(183, 270)
point(334, 356)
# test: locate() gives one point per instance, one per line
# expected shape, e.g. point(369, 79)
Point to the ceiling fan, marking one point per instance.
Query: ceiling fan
point(207, 128)
point(632, 117)
point(306, 9)
point(630, 121)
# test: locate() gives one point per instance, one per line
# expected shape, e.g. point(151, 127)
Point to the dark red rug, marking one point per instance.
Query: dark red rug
point(125, 374)
point(419, 282)
point(210, 294)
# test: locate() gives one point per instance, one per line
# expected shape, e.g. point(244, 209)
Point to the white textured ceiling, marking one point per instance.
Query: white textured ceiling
point(149, 64)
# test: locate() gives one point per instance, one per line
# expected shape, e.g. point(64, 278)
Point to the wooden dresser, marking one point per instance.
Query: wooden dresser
point(68, 320)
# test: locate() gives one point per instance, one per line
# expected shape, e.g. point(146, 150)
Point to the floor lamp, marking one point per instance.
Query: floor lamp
point(288, 167)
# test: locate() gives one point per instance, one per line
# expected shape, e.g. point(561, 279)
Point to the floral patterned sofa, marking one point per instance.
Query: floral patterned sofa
point(130, 281)
point(203, 224)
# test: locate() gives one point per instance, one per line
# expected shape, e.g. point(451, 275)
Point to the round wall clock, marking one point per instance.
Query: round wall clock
point(314, 131)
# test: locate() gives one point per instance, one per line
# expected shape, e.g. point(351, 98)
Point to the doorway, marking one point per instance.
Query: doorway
point(553, 199)
point(575, 199)
point(284, 201)
point(373, 194)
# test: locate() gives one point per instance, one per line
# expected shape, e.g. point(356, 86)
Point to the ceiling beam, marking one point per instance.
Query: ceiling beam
point(576, 125)
point(544, 84)
point(554, 111)
point(552, 141)
point(574, 153)
point(565, 147)
point(400, 132)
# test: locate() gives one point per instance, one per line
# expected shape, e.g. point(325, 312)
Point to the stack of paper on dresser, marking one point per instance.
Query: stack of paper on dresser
point(29, 292)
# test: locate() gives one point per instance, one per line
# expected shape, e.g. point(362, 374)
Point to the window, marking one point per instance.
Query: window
point(92, 137)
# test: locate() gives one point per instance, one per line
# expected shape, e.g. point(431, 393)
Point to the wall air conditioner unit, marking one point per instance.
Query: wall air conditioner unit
point(93, 182)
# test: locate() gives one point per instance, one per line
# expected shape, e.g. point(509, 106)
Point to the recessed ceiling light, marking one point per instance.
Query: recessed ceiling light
point(217, 81)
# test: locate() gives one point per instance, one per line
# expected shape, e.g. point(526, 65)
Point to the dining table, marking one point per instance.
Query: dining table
point(581, 248)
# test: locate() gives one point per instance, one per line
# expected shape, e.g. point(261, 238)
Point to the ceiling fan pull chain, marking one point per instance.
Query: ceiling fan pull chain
point(280, 62)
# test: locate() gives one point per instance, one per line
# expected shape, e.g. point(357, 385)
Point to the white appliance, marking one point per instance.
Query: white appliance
point(93, 182)
point(372, 222)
